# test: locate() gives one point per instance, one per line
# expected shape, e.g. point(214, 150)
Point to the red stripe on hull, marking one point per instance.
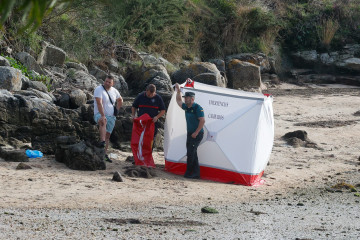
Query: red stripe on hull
point(217, 175)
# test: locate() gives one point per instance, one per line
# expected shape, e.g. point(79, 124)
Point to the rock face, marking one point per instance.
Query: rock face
point(10, 78)
point(51, 55)
point(346, 60)
point(11, 155)
point(195, 69)
point(243, 74)
point(29, 62)
point(36, 120)
point(80, 156)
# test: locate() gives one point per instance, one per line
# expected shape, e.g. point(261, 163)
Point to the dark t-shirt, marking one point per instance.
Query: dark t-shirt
point(151, 106)
point(192, 115)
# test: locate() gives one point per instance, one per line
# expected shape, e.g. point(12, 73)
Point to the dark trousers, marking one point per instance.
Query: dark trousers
point(192, 167)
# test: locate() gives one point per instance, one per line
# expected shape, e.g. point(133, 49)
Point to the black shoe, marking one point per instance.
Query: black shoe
point(101, 144)
point(107, 158)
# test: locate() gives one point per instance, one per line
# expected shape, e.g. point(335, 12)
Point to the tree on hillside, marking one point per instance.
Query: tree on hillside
point(33, 11)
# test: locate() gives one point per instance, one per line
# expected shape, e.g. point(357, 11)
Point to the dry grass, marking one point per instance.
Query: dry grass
point(326, 32)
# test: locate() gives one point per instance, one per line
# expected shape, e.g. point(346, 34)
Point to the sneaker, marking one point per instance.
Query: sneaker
point(107, 158)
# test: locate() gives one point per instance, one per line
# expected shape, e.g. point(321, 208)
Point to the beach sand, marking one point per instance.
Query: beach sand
point(51, 201)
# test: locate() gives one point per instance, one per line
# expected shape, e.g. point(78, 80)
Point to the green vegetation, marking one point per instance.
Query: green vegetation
point(180, 29)
point(41, 78)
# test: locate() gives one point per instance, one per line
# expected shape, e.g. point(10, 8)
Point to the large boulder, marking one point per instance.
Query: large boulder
point(80, 156)
point(243, 75)
point(10, 78)
point(81, 79)
point(194, 69)
point(120, 84)
point(258, 59)
point(140, 79)
point(51, 55)
point(29, 62)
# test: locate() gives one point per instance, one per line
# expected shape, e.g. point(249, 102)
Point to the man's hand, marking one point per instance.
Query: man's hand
point(177, 87)
point(155, 119)
point(194, 135)
point(102, 121)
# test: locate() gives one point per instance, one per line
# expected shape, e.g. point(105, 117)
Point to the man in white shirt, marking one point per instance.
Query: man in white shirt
point(104, 110)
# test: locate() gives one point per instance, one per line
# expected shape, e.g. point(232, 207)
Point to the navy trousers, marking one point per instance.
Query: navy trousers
point(192, 166)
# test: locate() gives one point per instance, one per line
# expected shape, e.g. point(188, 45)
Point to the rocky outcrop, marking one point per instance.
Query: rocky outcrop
point(51, 55)
point(345, 61)
point(36, 120)
point(243, 75)
point(195, 69)
point(80, 156)
point(10, 78)
point(29, 62)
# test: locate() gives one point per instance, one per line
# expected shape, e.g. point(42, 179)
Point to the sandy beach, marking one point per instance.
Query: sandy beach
point(296, 201)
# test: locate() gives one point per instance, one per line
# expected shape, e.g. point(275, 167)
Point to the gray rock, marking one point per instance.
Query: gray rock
point(193, 70)
point(81, 156)
point(63, 99)
point(12, 155)
point(29, 62)
point(39, 121)
point(98, 73)
point(117, 177)
point(23, 166)
point(36, 93)
point(351, 64)
point(258, 59)
point(77, 66)
point(113, 65)
point(51, 55)
point(210, 79)
point(34, 85)
point(243, 75)
point(10, 78)
point(77, 98)
point(219, 63)
point(81, 79)
point(120, 84)
point(4, 62)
